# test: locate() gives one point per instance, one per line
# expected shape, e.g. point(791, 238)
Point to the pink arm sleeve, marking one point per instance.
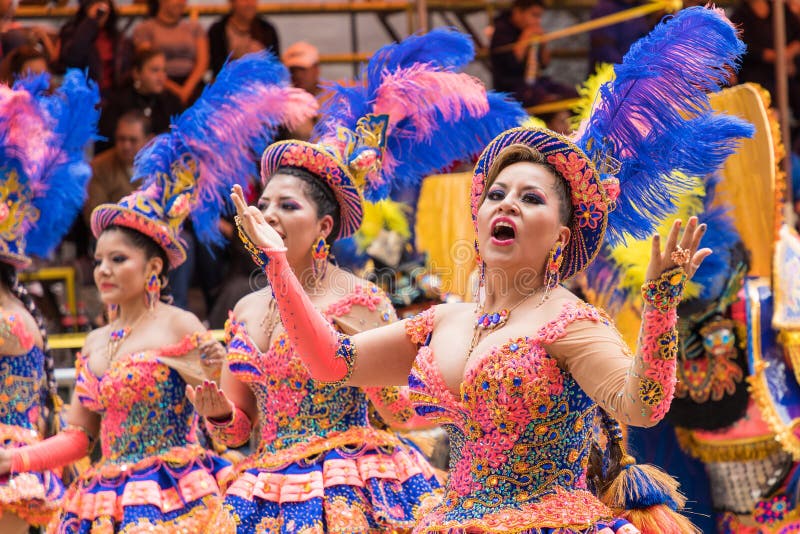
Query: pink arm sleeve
point(394, 405)
point(328, 355)
point(234, 431)
point(62, 449)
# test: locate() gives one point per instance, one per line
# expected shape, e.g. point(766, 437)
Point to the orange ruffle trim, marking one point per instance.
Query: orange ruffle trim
point(576, 510)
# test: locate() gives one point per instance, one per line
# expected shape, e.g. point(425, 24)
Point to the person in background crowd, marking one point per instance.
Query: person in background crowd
point(184, 43)
point(22, 61)
point(13, 34)
point(302, 60)
point(516, 66)
point(609, 44)
point(239, 32)
point(146, 92)
point(112, 169)
point(91, 40)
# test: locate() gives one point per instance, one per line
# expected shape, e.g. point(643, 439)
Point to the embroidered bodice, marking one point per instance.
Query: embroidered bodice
point(21, 397)
point(298, 415)
point(520, 432)
point(21, 376)
point(142, 401)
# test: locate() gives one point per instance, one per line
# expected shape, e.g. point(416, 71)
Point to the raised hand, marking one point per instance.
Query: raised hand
point(212, 356)
point(209, 400)
point(684, 254)
point(255, 226)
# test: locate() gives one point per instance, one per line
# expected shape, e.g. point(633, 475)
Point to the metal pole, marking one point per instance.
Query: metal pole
point(782, 95)
point(354, 41)
point(422, 16)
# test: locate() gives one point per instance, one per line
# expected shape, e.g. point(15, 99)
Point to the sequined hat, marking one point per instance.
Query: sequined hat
point(211, 146)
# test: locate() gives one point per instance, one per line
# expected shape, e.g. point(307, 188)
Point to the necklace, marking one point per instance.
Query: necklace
point(487, 322)
point(119, 335)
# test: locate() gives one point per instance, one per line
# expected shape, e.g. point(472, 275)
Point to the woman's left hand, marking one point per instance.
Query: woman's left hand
point(212, 356)
point(684, 254)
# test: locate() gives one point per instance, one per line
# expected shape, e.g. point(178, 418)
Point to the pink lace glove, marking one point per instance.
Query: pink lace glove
point(62, 449)
point(233, 431)
point(327, 354)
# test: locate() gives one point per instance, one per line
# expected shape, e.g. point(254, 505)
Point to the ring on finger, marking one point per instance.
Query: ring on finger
point(237, 220)
point(680, 255)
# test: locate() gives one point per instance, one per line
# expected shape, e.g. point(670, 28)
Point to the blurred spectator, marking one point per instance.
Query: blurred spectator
point(516, 65)
point(183, 42)
point(302, 60)
point(146, 92)
point(13, 34)
point(91, 40)
point(754, 19)
point(112, 169)
point(23, 60)
point(240, 32)
point(610, 44)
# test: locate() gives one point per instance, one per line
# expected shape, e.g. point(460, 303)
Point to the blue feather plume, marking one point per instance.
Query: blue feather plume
point(640, 118)
point(225, 131)
point(437, 115)
point(73, 111)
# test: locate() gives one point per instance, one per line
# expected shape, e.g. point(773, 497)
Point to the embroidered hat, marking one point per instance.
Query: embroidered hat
point(211, 146)
point(650, 128)
point(43, 167)
point(409, 113)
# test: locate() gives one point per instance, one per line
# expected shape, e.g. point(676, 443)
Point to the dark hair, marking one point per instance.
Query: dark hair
point(151, 250)
point(136, 115)
point(143, 55)
point(522, 5)
point(321, 195)
point(519, 153)
point(152, 7)
point(49, 390)
point(12, 64)
point(83, 13)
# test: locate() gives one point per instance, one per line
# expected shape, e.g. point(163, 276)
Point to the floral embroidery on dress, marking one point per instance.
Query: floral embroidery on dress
point(320, 464)
point(520, 430)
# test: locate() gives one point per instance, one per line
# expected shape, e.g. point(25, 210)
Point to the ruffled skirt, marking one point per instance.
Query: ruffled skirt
point(34, 497)
point(174, 492)
point(370, 490)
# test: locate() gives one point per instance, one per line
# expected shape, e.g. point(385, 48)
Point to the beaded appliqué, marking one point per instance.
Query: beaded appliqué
point(260, 257)
point(520, 433)
point(665, 292)
point(659, 346)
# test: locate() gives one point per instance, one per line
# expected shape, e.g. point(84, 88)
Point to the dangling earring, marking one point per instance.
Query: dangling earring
point(481, 275)
point(552, 271)
point(152, 291)
point(112, 311)
point(319, 258)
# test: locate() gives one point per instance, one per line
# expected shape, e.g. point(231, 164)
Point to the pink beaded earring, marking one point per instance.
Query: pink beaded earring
point(152, 291)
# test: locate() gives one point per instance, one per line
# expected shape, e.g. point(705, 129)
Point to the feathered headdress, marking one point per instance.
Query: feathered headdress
point(652, 120)
point(211, 146)
point(409, 113)
point(43, 164)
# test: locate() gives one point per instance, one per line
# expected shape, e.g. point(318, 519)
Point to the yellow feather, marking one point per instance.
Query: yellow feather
point(633, 256)
point(534, 122)
point(383, 215)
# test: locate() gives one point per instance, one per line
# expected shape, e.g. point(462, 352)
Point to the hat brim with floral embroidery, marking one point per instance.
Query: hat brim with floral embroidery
point(325, 165)
point(588, 196)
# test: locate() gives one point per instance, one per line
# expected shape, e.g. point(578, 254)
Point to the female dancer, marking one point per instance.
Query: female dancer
point(153, 474)
point(321, 466)
point(522, 383)
point(33, 221)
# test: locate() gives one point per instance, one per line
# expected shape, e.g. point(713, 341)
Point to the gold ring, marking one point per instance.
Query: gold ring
point(681, 256)
point(237, 220)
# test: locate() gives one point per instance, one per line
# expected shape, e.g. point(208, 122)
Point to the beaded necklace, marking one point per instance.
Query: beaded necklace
point(119, 335)
point(489, 321)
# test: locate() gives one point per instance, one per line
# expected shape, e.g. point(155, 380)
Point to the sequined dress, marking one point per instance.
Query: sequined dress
point(32, 496)
point(153, 475)
point(320, 467)
point(520, 436)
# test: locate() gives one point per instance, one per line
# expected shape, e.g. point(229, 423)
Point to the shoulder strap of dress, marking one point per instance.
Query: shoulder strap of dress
point(419, 327)
point(572, 311)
